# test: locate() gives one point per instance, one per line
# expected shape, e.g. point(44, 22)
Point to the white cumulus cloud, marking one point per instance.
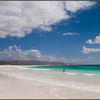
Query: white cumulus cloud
point(95, 41)
point(89, 41)
point(89, 50)
point(73, 6)
point(19, 18)
point(15, 53)
point(65, 34)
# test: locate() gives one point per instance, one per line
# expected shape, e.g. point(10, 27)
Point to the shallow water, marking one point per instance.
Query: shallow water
point(82, 68)
point(85, 77)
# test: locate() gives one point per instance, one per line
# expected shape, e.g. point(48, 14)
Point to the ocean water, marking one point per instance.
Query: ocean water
point(91, 69)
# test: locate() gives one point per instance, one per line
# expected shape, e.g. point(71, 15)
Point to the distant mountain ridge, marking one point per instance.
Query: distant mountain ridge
point(29, 62)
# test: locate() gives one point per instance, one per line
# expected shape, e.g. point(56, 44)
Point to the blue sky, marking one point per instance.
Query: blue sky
point(63, 39)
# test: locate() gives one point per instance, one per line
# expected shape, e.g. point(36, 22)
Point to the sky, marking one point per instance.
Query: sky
point(62, 31)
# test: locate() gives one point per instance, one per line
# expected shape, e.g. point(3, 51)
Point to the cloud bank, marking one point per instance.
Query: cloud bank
point(19, 18)
point(15, 53)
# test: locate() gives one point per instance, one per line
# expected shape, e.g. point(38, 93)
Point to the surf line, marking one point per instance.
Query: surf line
point(52, 92)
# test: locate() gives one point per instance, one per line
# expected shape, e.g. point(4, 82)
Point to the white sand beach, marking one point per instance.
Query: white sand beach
point(17, 82)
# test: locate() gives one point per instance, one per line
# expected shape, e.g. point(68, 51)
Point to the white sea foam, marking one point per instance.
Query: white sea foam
point(39, 69)
point(88, 74)
point(71, 73)
point(85, 74)
point(58, 96)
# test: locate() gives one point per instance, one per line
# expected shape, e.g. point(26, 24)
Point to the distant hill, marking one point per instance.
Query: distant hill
point(29, 62)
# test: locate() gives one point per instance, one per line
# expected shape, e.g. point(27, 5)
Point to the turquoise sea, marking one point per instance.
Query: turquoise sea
point(93, 69)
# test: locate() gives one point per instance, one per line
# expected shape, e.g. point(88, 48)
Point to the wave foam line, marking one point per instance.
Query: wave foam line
point(71, 73)
point(39, 69)
point(87, 74)
point(58, 96)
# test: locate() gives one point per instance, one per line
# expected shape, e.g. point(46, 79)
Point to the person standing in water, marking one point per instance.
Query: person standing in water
point(63, 69)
